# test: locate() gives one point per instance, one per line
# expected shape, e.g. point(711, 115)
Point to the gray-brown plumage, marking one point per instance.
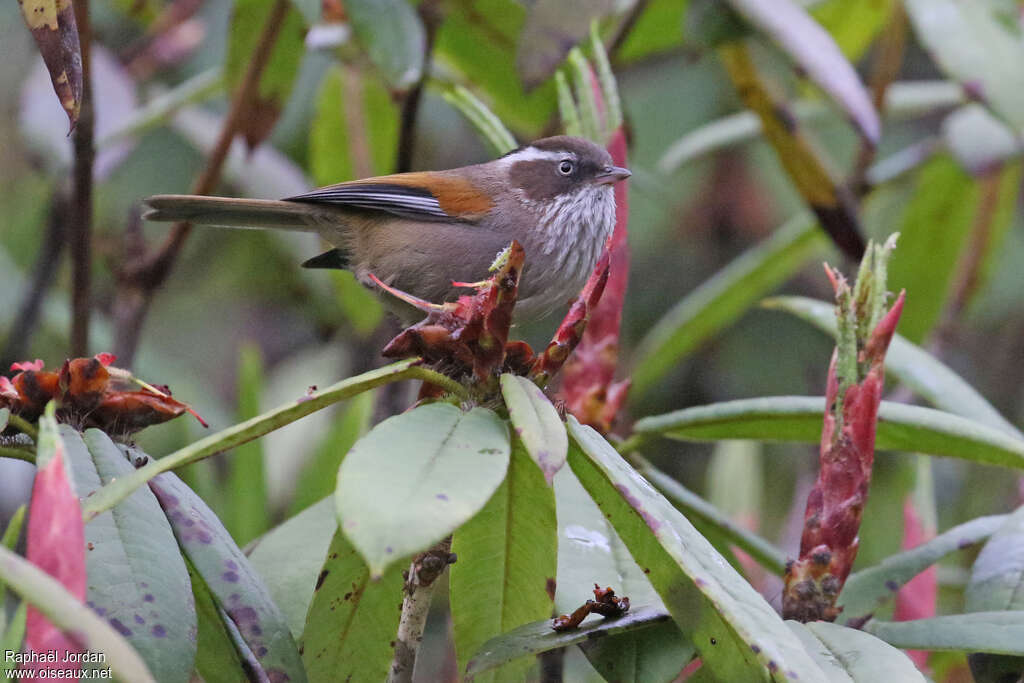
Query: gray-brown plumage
point(420, 231)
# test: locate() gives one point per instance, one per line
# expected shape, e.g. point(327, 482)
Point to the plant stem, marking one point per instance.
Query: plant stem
point(886, 67)
point(42, 278)
point(81, 215)
point(119, 489)
point(431, 16)
point(419, 588)
point(138, 282)
point(23, 426)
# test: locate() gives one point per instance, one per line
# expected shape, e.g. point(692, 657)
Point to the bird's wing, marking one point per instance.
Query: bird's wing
point(430, 196)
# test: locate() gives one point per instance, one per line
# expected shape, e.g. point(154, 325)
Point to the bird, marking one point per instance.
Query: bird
point(422, 232)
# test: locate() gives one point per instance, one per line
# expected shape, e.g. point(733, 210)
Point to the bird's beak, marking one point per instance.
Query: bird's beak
point(612, 174)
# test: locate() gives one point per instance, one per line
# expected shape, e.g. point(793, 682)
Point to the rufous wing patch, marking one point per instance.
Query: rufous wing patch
point(457, 196)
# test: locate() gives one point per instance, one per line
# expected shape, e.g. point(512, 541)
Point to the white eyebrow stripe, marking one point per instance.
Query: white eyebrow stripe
point(534, 154)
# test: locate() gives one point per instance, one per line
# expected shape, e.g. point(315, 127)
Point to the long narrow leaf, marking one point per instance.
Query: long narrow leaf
point(537, 637)
point(737, 634)
point(231, 578)
point(722, 299)
point(814, 50)
point(797, 418)
point(868, 588)
point(115, 492)
point(138, 580)
point(917, 369)
point(994, 632)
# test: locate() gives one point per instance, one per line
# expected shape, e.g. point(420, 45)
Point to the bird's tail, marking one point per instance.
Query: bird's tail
point(234, 213)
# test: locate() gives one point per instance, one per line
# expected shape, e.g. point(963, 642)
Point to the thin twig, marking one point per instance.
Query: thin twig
point(971, 260)
point(419, 588)
point(884, 70)
point(139, 282)
point(80, 217)
point(431, 16)
point(625, 27)
point(42, 278)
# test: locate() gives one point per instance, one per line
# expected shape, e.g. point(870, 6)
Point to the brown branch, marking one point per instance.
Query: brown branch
point(884, 69)
point(625, 27)
point(80, 216)
point(138, 282)
point(971, 261)
point(42, 278)
point(431, 16)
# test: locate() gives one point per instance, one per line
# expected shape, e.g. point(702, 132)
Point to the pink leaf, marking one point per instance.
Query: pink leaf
point(56, 544)
point(588, 387)
point(916, 600)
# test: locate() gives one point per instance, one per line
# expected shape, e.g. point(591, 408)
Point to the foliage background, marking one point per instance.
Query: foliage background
point(238, 322)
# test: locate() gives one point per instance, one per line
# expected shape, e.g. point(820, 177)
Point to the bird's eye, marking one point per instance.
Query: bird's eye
point(565, 167)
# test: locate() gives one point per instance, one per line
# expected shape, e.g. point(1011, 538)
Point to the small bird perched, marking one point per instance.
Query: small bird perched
point(419, 232)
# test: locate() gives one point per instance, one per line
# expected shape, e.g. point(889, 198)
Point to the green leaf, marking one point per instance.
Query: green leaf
point(537, 423)
point(738, 635)
point(247, 515)
point(697, 509)
point(659, 28)
point(320, 473)
point(231, 578)
point(115, 492)
point(477, 42)
point(248, 19)
point(915, 368)
point(904, 100)
point(853, 24)
point(352, 620)
point(933, 231)
point(901, 427)
point(289, 558)
point(846, 654)
point(9, 540)
point(69, 615)
point(973, 46)
point(5, 414)
point(417, 477)
point(995, 632)
point(997, 583)
point(537, 637)
point(137, 579)
point(392, 34)
point(354, 131)
point(12, 637)
point(218, 657)
point(817, 54)
point(866, 590)
point(505, 574)
point(311, 10)
point(658, 653)
point(552, 28)
point(722, 299)
point(997, 577)
point(589, 552)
